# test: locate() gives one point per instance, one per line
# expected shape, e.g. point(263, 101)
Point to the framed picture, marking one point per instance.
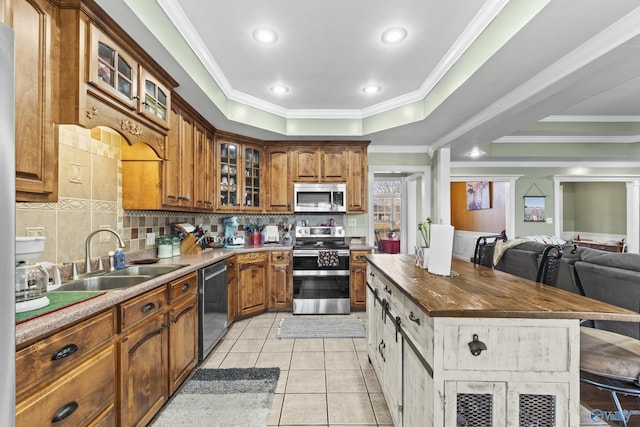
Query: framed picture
point(534, 209)
point(478, 195)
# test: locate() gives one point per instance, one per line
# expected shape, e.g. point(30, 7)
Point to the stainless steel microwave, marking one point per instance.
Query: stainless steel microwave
point(310, 197)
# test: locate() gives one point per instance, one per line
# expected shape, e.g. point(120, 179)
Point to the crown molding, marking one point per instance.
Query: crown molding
point(547, 164)
point(572, 139)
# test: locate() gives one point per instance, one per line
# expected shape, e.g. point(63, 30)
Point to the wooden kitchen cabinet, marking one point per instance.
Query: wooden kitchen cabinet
point(279, 188)
point(177, 184)
point(358, 279)
point(252, 283)
point(36, 32)
point(357, 179)
point(318, 164)
point(72, 368)
point(240, 174)
point(204, 155)
point(183, 329)
point(232, 290)
point(143, 358)
point(109, 80)
point(280, 280)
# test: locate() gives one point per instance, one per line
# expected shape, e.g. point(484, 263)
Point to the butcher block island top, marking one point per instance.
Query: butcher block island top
point(477, 291)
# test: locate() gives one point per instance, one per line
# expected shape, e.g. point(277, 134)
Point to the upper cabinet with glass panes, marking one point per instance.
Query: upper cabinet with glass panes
point(121, 77)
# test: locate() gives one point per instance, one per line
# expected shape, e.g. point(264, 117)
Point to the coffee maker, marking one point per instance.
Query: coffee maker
point(32, 280)
point(231, 239)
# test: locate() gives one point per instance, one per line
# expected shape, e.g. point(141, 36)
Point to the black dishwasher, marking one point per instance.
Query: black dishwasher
point(212, 307)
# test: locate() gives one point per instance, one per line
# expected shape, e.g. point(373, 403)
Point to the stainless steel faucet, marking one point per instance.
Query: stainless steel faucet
point(87, 246)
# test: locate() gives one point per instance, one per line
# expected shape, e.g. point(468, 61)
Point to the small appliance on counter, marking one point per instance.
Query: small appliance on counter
point(231, 237)
point(271, 234)
point(32, 280)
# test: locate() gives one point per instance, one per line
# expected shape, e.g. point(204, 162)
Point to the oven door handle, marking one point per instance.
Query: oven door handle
point(316, 273)
point(315, 253)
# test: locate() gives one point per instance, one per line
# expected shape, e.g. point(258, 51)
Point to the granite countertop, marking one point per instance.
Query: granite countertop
point(478, 291)
point(45, 324)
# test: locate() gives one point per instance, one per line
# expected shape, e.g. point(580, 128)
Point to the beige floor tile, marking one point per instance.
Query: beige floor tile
point(312, 381)
point(278, 346)
point(360, 344)
point(282, 381)
point(252, 332)
point(341, 360)
point(309, 344)
point(307, 360)
point(371, 380)
point(223, 346)
point(338, 344)
point(276, 408)
point(350, 408)
point(261, 323)
point(274, 360)
point(273, 333)
point(239, 360)
point(249, 345)
point(304, 409)
point(213, 361)
point(234, 332)
point(363, 359)
point(383, 417)
point(345, 381)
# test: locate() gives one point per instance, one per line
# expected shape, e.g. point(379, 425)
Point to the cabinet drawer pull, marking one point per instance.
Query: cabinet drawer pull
point(64, 352)
point(381, 347)
point(230, 265)
point(414, 318)
point(186, 286)
point(360, 257)
point(387, 290)
point(476, 346)
point(148, 307)
point(65, 411)
point(372, 275)
point(280, 257)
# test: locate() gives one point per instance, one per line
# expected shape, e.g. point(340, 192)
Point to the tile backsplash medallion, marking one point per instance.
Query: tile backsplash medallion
point(90, 198)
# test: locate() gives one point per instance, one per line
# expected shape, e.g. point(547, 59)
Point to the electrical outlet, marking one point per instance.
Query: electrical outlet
point(105, 237)
point(35, 231)
point(549, 220)
point(151, 239)
point(352, 222)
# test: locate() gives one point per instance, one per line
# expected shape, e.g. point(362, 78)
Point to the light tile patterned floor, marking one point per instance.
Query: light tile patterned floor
point(323, 382)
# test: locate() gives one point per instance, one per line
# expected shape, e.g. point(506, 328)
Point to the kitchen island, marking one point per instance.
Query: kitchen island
point(477, 347)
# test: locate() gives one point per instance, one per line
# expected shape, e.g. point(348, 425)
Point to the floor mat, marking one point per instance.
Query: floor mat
point(328, 327)
point(222, 398)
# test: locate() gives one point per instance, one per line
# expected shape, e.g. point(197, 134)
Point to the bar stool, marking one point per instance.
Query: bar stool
point(483, 253)
point(611, 362)
point(549, 265)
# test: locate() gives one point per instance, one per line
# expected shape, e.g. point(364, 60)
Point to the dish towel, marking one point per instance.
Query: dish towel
point(328, 259)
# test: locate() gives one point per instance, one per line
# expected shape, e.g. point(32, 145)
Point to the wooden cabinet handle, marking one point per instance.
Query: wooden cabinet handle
point(65, 351)
point(65, 411)
point(148, 307)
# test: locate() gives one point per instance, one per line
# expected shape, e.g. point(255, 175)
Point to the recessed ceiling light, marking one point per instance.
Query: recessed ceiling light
point(279, 89)
point(394, 35)
point(371, 89)
point(475, 152)
point(265, 35)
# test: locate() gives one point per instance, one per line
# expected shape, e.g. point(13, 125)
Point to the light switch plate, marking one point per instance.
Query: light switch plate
point(35, 231)
point(549, 220)
point(105, 237)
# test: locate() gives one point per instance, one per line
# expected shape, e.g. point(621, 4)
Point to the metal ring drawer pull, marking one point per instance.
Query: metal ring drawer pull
point(64, 352)
point(65, 411)
point(476, 346)
point(414, 318)
point(148, 307)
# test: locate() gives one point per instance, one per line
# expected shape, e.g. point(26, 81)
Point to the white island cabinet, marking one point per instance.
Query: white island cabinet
point(479, 347)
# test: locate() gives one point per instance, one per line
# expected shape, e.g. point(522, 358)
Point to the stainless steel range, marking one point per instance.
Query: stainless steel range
point(320, 271)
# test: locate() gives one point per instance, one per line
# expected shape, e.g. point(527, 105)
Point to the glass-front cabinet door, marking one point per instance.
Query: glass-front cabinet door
point(252, 177)
point(112, 69)
point(229, 162)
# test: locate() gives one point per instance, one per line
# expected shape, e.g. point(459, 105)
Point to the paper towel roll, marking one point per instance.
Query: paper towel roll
point(441, 249)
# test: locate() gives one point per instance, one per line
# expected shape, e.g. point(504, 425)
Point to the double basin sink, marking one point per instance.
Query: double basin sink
point(119, 279)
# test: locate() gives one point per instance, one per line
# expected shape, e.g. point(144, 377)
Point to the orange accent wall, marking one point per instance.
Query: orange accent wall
point(488, 220)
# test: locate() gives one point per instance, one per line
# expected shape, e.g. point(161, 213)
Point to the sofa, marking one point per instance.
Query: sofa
point(610, 277)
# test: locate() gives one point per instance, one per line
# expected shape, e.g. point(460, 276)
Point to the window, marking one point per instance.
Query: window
point(387, 206)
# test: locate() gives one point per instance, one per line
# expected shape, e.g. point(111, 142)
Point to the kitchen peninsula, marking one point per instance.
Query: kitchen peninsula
point(475, 346)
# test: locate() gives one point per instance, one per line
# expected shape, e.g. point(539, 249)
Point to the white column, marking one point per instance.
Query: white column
point(633, 216)
point(442, 187)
